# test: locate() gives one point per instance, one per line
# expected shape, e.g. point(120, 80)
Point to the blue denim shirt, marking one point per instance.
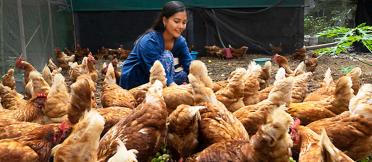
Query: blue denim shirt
point(148, 49)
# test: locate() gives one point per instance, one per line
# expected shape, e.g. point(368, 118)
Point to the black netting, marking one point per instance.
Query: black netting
point(253, 27)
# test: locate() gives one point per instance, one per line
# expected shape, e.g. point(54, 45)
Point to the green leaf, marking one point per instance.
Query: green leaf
point(346, 37)
point(346, 69)
point(291, 159)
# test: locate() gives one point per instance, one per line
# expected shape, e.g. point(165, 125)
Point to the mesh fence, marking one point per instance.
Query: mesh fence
point(33, 28)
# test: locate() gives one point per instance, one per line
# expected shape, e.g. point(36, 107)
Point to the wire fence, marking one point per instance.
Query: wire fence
point(33, 28)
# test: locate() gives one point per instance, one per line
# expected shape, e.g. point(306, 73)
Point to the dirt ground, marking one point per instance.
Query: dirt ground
point(219, 69)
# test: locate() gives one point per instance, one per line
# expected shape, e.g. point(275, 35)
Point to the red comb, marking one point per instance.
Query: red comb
point(64, 125)
point(20, 58)
point(41, 95)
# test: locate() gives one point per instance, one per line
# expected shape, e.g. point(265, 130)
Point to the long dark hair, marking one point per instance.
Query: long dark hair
point(169, 9)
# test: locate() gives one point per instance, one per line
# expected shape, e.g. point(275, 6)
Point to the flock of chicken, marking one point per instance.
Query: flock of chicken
point(244, 118)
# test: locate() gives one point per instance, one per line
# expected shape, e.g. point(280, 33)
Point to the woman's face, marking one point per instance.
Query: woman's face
point(175, 24)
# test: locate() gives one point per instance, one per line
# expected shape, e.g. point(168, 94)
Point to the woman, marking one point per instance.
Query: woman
point(163, 42)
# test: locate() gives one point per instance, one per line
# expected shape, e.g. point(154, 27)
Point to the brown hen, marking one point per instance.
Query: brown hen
point(253, 116)
point(183, 129)
point(311, 111)
point(232, 95)
point(351, 131)
point(82, 143)
point(144, 129)
point(319, 148)
point(10, 99)
point(26, 66)
point(157, 72)
point(34, 146)
point(271, 143)
point(252, 84)
point(58, 99)
point(217, 123)
point(113, 94)
point(8, 79)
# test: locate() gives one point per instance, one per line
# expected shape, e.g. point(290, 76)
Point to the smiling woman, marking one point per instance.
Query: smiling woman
point(163, 42)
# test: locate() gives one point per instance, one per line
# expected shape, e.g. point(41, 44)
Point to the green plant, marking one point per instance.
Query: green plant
point(313, 25)
point(346, 69)
point(291, 159)
point(162, 155)
point(367, 159)
point(346, 37)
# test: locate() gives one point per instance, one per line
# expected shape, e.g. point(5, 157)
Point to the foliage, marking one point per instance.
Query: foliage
point(291, 159)
point(313, 25)
point(162, 155)
point(341, 18)
point(367, 159)
point(346, 37)
point(335, 12)
point(346, 69)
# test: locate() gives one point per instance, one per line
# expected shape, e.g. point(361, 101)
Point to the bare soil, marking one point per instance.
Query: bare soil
point(219, 69)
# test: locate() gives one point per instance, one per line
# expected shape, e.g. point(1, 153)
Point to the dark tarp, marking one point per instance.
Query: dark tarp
point(253, 27)
point(141, 5)
point(363, 15)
